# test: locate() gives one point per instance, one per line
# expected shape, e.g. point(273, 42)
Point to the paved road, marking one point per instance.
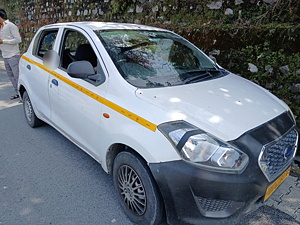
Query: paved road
point(45, 179)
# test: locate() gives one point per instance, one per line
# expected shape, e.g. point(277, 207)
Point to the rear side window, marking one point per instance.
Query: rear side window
point(45, 42)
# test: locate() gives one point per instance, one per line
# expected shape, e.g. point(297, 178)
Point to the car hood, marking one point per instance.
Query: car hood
point(226, 107)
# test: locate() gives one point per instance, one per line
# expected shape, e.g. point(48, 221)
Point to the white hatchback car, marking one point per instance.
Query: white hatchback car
point(185, 139)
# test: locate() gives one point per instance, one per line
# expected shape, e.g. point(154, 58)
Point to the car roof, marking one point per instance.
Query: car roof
point(94, 25)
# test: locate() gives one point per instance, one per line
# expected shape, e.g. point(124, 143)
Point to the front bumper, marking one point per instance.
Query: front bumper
point(193, 195)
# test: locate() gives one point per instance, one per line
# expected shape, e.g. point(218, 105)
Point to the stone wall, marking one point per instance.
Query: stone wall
point(31, 14)
point(258, 39)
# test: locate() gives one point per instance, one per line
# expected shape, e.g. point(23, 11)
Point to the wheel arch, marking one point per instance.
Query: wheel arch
point(22, 89)
point(114, 150)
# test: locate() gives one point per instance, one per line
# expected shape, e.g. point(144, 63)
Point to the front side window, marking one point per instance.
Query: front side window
point(76, 47)
point(156, 59)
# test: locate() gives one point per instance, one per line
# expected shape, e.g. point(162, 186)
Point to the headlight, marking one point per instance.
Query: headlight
point(197, 146)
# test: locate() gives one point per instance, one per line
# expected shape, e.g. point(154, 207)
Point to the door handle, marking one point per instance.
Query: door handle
point(28, 67)
point(55, 82)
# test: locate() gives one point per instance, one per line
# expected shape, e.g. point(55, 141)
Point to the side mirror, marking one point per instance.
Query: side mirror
point(80, 69)
point(51, 60)
point(84, 70)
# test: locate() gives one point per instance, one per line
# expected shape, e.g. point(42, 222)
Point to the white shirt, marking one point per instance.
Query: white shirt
point(11, 39)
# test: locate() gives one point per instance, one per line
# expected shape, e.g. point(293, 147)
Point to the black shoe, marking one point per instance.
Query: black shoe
point(14, 97)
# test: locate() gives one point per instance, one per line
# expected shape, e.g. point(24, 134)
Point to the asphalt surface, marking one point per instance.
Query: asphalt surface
point(45, 179)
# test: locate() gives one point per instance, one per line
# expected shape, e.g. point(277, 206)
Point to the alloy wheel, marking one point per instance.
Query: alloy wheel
point(28, 109)
point(132, 190)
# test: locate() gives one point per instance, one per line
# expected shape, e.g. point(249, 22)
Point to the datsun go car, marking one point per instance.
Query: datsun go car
point(183, 138)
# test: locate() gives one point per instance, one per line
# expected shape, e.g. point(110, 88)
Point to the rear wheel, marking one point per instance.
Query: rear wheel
point(137, 190)
point(30, 116)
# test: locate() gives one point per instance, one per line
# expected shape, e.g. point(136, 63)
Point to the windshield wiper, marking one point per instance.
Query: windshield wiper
point(204, 74)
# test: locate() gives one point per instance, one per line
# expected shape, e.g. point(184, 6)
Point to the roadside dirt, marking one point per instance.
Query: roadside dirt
point(295, 170)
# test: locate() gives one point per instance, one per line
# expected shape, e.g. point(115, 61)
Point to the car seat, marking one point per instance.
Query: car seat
point(86, 52)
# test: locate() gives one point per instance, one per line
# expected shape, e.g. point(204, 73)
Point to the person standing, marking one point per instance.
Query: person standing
point(9, 45)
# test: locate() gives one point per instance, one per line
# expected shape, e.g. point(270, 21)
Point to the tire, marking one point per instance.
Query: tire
point(30, 116)
point(137, 190)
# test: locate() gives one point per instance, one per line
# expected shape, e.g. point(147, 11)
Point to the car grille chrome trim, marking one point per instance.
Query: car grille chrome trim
point(276, 156)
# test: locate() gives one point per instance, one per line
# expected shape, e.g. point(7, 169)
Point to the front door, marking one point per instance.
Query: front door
point(74, 111)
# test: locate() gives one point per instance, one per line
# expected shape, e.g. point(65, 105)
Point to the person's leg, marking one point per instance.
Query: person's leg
point(12, 69)
point(14, 65)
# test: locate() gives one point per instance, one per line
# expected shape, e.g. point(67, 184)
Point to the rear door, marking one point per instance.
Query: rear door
point(37, 77)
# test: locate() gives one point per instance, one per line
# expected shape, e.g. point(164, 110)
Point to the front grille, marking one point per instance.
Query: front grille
point(217, 208)
point(277, 155)
point(214, 205)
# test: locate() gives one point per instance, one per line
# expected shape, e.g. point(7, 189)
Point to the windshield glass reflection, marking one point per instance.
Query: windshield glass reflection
point(157, 59)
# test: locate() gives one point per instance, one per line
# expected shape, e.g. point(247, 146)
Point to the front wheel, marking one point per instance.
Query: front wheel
point(137, 190)
point(30, 116)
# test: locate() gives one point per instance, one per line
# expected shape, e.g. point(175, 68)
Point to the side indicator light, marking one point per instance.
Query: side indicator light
point(105, 115)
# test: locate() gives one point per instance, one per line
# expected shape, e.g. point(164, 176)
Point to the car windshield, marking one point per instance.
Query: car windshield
point(149, 59)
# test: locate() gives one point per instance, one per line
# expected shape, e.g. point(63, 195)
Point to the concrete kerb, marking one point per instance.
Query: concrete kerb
point(286, 198)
